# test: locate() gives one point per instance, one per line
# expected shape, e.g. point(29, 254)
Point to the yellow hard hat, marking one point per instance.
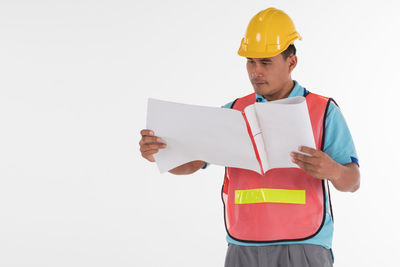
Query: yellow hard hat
point(269, 33)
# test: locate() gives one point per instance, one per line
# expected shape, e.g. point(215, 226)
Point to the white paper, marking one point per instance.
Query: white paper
point(285, 125)
point(215, 135)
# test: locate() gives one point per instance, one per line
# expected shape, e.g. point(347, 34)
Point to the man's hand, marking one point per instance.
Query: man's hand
point(150, 144)
point(345, 178)
point(318, 165)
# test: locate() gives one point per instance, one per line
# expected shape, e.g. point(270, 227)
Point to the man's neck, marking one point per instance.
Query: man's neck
point(283, 93)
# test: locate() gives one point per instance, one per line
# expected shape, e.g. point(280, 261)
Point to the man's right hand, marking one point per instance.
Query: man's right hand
point(150, 144)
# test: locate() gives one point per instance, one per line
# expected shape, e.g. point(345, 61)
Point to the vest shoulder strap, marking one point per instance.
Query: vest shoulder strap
point(324, 99)
point(242, 102)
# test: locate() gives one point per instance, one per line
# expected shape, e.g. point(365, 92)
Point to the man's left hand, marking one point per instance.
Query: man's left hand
point(319, 164)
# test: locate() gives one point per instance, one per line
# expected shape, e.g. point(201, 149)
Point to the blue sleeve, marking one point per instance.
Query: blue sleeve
point(228, 105)
point(339, 144)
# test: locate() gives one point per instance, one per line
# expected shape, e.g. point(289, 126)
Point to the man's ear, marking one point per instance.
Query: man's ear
point(292, 60)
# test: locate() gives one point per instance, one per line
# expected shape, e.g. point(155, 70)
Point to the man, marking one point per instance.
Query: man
point(266, 224)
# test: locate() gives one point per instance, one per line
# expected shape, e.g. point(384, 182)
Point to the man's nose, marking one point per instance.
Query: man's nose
point(257, 71)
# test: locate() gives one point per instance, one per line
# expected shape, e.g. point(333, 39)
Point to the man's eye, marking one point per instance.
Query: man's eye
point(265, 63)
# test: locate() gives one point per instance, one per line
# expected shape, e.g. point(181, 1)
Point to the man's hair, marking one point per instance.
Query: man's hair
point(291, 50)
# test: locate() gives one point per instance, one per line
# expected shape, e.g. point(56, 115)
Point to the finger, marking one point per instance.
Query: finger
point(303, 158)
point(302, 165)
point(151, 139)
point(308, 168)
point(146, 132)
point(149, 154)
point(148, 147)
point(308, 150)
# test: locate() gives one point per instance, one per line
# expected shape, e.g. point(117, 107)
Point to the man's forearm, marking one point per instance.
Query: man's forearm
point(348, 178)
point(188, 168)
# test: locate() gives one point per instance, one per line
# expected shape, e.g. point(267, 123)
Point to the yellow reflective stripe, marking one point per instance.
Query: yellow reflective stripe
point(263, 195)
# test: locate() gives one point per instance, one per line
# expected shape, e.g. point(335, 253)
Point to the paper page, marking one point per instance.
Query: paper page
point(251, 116)
point(215, 135)
point(285, 125)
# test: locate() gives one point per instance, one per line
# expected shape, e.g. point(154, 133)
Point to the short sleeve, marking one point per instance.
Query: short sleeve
point(228, 105)
point(339, 143)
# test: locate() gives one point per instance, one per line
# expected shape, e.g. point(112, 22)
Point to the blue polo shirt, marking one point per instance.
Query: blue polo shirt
point(338, 145)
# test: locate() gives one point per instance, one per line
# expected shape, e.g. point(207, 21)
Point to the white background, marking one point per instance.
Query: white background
point(74, 81)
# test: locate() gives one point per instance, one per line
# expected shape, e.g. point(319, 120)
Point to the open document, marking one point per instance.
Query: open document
point(258, 139)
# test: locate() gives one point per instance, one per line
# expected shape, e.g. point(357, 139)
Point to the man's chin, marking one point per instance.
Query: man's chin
point(260, 91)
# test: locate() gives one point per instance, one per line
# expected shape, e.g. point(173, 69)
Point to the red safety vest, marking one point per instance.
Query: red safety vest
point(277, 220)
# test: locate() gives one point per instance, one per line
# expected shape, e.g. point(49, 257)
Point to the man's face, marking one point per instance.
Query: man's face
point(270, 75)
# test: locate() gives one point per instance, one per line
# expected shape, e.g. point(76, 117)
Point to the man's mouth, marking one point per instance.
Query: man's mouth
point(259, 83)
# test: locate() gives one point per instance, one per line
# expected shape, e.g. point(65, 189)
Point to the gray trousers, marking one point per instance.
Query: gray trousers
point(294, 255)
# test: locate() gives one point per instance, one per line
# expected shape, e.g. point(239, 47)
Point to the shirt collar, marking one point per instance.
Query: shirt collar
point(297, 90)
